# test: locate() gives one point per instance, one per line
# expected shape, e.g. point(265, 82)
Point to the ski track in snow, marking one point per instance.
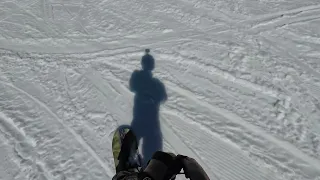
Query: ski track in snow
point(77, 137)
point(242, 78)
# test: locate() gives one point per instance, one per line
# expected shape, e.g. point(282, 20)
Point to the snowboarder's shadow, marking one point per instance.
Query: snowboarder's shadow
point(149, 94)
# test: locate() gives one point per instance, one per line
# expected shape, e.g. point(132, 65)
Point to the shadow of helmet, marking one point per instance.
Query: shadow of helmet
point(147, 62)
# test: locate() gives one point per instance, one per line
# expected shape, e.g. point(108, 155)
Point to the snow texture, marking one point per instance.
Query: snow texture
point(242, 79)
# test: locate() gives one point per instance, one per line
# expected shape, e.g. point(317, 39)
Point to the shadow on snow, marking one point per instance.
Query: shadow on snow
point(149, 94)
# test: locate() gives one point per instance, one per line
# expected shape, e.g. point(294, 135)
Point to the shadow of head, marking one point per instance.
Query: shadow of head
point(147, 62)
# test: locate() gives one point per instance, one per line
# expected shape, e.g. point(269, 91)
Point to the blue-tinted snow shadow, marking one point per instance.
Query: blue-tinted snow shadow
point(150, 93)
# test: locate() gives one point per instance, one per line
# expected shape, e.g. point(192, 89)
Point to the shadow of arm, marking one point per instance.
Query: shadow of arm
point(132, 82)
point(164, 96)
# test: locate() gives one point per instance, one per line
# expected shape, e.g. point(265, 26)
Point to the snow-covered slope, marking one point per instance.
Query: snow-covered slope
point(242, 78)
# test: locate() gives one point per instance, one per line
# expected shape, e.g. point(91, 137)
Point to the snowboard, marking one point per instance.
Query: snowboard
point(125, 150)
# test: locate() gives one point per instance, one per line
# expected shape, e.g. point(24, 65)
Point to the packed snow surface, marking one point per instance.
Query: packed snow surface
point(242, 79)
